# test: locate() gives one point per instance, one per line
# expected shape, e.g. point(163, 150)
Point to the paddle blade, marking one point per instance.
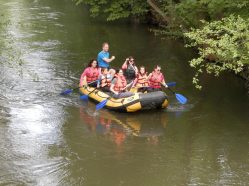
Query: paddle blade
point(181, 98)
point(171, 84)
point(84, 97)
point(66, 92)
point(101, 104)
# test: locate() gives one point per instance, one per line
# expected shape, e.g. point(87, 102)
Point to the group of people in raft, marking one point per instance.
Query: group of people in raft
point(116, 82)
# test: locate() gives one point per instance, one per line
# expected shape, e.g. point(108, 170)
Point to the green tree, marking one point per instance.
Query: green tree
point(223, 45)
point(221, 37)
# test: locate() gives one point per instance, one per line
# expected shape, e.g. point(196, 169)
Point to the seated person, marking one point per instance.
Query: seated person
point(105, 79)
point(90, 74)
point(156, 80)
point(141, 81)
point(130, 69)
point(119, 85)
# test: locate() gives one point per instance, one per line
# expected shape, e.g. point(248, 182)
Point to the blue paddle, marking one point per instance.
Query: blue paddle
point(69, 91)
point(85, 96)
point(179, 97)
point(171, 84)
point(101, 104)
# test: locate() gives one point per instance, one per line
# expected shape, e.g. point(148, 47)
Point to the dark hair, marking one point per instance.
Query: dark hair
point(157, 67)
point(103, 69)
point(117, 70)
point(91, 62)
point(130, 57)
point(144, 70)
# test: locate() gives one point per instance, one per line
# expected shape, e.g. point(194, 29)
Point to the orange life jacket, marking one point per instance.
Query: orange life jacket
point(105, 82)
point(120, 83)
point(142, 80)
point(156, 80)
point(92, 74)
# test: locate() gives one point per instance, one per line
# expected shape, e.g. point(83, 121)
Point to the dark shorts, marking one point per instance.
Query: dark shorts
point(142, 89)
point(122, 95)
point(93, 84)
point(150, 89)
point(105, 89)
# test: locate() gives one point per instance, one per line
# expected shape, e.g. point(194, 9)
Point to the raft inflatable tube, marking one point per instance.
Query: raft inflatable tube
point(137, 102)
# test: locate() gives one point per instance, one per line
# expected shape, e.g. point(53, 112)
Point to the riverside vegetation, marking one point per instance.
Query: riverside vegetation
point(218, 29)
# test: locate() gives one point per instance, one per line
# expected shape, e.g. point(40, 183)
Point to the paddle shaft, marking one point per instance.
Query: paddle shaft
point(171, 90)
point(87, 84)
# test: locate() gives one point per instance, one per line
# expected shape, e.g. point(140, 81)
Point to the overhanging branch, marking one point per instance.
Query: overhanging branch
point(158, 10)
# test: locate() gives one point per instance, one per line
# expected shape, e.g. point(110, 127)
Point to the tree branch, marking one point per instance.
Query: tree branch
point(158, 10)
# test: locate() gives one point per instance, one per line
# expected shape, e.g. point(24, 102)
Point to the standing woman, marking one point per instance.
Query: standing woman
point(119, 85)
point(156, 80)
point(130, 69)
point(90, 74)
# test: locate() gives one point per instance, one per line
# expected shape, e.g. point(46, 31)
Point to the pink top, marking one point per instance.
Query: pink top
point(88, 72)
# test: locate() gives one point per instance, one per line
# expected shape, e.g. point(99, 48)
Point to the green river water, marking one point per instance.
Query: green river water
point(47, 139)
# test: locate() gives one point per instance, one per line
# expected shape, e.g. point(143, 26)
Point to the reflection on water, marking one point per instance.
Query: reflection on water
point(119, 128)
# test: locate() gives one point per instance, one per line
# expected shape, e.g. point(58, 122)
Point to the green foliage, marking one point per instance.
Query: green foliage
point(116, 9)
point(222, 38)
point(187, 14)
point(222, 45)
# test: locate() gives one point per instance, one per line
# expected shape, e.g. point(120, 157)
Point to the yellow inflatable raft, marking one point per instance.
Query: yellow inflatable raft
point(140, 101)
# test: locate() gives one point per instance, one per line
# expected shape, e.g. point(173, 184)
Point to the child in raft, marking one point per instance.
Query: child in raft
point(156, 80)
point(119, 86)
point(141, 81)
point(105, 79)
point(90, 74)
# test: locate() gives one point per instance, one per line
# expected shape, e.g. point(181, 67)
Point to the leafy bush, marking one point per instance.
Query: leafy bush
point(222, 45)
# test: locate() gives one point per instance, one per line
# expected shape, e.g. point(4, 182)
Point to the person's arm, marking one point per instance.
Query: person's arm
point(124, 66)
point(99, 80)
point(164, 83)
point(149, 76)
point(108, 60)
point(83, 78)
point(134, 82)
point(112, 86)
point(83, 81)
point(136, 70)
point(127, 86)
point(105, 57)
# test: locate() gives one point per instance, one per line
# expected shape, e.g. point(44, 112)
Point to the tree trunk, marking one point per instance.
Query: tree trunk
point(158, 10)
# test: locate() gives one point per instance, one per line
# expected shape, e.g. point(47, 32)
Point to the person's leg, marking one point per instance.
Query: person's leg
point(142, 89)
point(153, 89)
point(105, 89)
point(150, 89)
point(94, 84)
point(125, 94)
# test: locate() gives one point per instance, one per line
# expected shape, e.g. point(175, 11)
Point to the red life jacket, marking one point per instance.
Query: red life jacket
point(92, 74)
point(156, 80)
point(105, 82)
point(142, 80)
point(120, 83)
